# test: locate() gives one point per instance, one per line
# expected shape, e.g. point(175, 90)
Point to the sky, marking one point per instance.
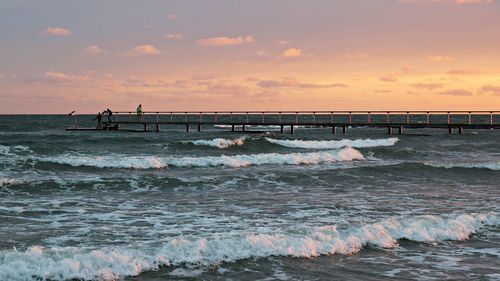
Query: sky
point(220, 55)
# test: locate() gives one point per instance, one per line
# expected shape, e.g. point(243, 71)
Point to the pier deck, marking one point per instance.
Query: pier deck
point(398, 120)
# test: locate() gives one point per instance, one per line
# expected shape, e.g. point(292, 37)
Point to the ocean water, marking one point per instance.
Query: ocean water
point(259, 205)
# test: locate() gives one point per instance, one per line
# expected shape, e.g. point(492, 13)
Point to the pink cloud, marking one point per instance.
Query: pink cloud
point(93, 50)
point(57, 31)
point(172, 17)
point(359, 56)
point(141, 50)
point(174, 36)
point(408, 69)
point(463, 72)
point(495, 90)
point(293, 83)
point(428, 86)
point(457, 92)
point(226, 41)
point(292, 53)
point(389, 79)
point(439, 59)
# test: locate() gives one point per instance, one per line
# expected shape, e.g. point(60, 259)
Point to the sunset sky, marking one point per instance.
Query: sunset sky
point(59, 56)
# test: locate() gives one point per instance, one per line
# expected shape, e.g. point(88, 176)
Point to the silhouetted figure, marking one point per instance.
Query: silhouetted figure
point(110, 113)
point(99, 120)
point(139, 112)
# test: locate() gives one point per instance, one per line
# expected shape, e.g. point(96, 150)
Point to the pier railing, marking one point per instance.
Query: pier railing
point(311, 117)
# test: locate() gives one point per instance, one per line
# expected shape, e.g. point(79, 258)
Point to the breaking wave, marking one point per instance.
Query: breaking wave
point(219, 142)
point(333, 144)
point(151, 162)
point(113, 263)
point(495, 166)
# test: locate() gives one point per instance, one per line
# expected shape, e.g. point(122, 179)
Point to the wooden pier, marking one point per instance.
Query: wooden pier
point(392, 121)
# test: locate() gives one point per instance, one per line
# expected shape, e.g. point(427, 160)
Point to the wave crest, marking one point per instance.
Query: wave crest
point(333, 144)
point(219, 142)
point(235, 161)
point(112, 264)
point(495, 166)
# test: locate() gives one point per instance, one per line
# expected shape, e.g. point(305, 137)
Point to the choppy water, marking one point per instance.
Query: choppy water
point(218, 205)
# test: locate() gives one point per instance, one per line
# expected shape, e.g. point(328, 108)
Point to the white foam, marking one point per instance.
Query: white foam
point(118, 161)
point(333, 144)
point(6, 181)
point(111, 264)
point(219, 142)
point(150, 162)
point(13, 150)
point(495, 166)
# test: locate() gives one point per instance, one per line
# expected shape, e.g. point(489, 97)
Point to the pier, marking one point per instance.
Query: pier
point(394, 122)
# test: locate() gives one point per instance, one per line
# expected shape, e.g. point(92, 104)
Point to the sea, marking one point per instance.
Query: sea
point(254, 205)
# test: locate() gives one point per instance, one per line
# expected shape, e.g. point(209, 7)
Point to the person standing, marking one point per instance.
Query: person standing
point(139, 112)
point(110, 113)
point(99, 120)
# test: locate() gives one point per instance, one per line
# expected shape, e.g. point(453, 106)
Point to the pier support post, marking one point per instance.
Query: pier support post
point(232, 128)
point(244, 129)
point(199, 127)
point(400, 131)
point(187, 128)
point(389, 130)
point(145, 127)
point(334, 130)
point(157, 127)
point(344, 130)
point(291, 130)
point(282, 129)
point(460, 130)
point(450, 130)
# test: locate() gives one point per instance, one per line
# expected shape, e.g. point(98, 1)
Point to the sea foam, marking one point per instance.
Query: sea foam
point(114, 263)
point(495, 166)
point(244, 160)
point(219, 142)
point(333, 144)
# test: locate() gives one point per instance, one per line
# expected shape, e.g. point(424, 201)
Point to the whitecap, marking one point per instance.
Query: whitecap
point(235, 161)
point(495, 166)
point(333, 144)
point(219, 142)
point(114, 263)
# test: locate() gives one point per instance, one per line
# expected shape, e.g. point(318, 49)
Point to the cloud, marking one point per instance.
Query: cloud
point(351, 57)
point(283, 42)
point(173, 36)
point(439, 59)
point(141, 50)
point(408, 69)
point(57, 31)
point(460, 2)
point(226, 41)
point(205, 76)
point(463, 72)
point(428, 86)
point(93, 50)
point(225, 88)
point(293, 83)
point(389, 79)
point(495, 90)
point(172, 17)
point(292, 53)
point(457, 92)
point(55, 77)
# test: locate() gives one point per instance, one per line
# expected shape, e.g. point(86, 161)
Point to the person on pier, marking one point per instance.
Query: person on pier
point(139, 112)
point(99, 120)
point(110, 113)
